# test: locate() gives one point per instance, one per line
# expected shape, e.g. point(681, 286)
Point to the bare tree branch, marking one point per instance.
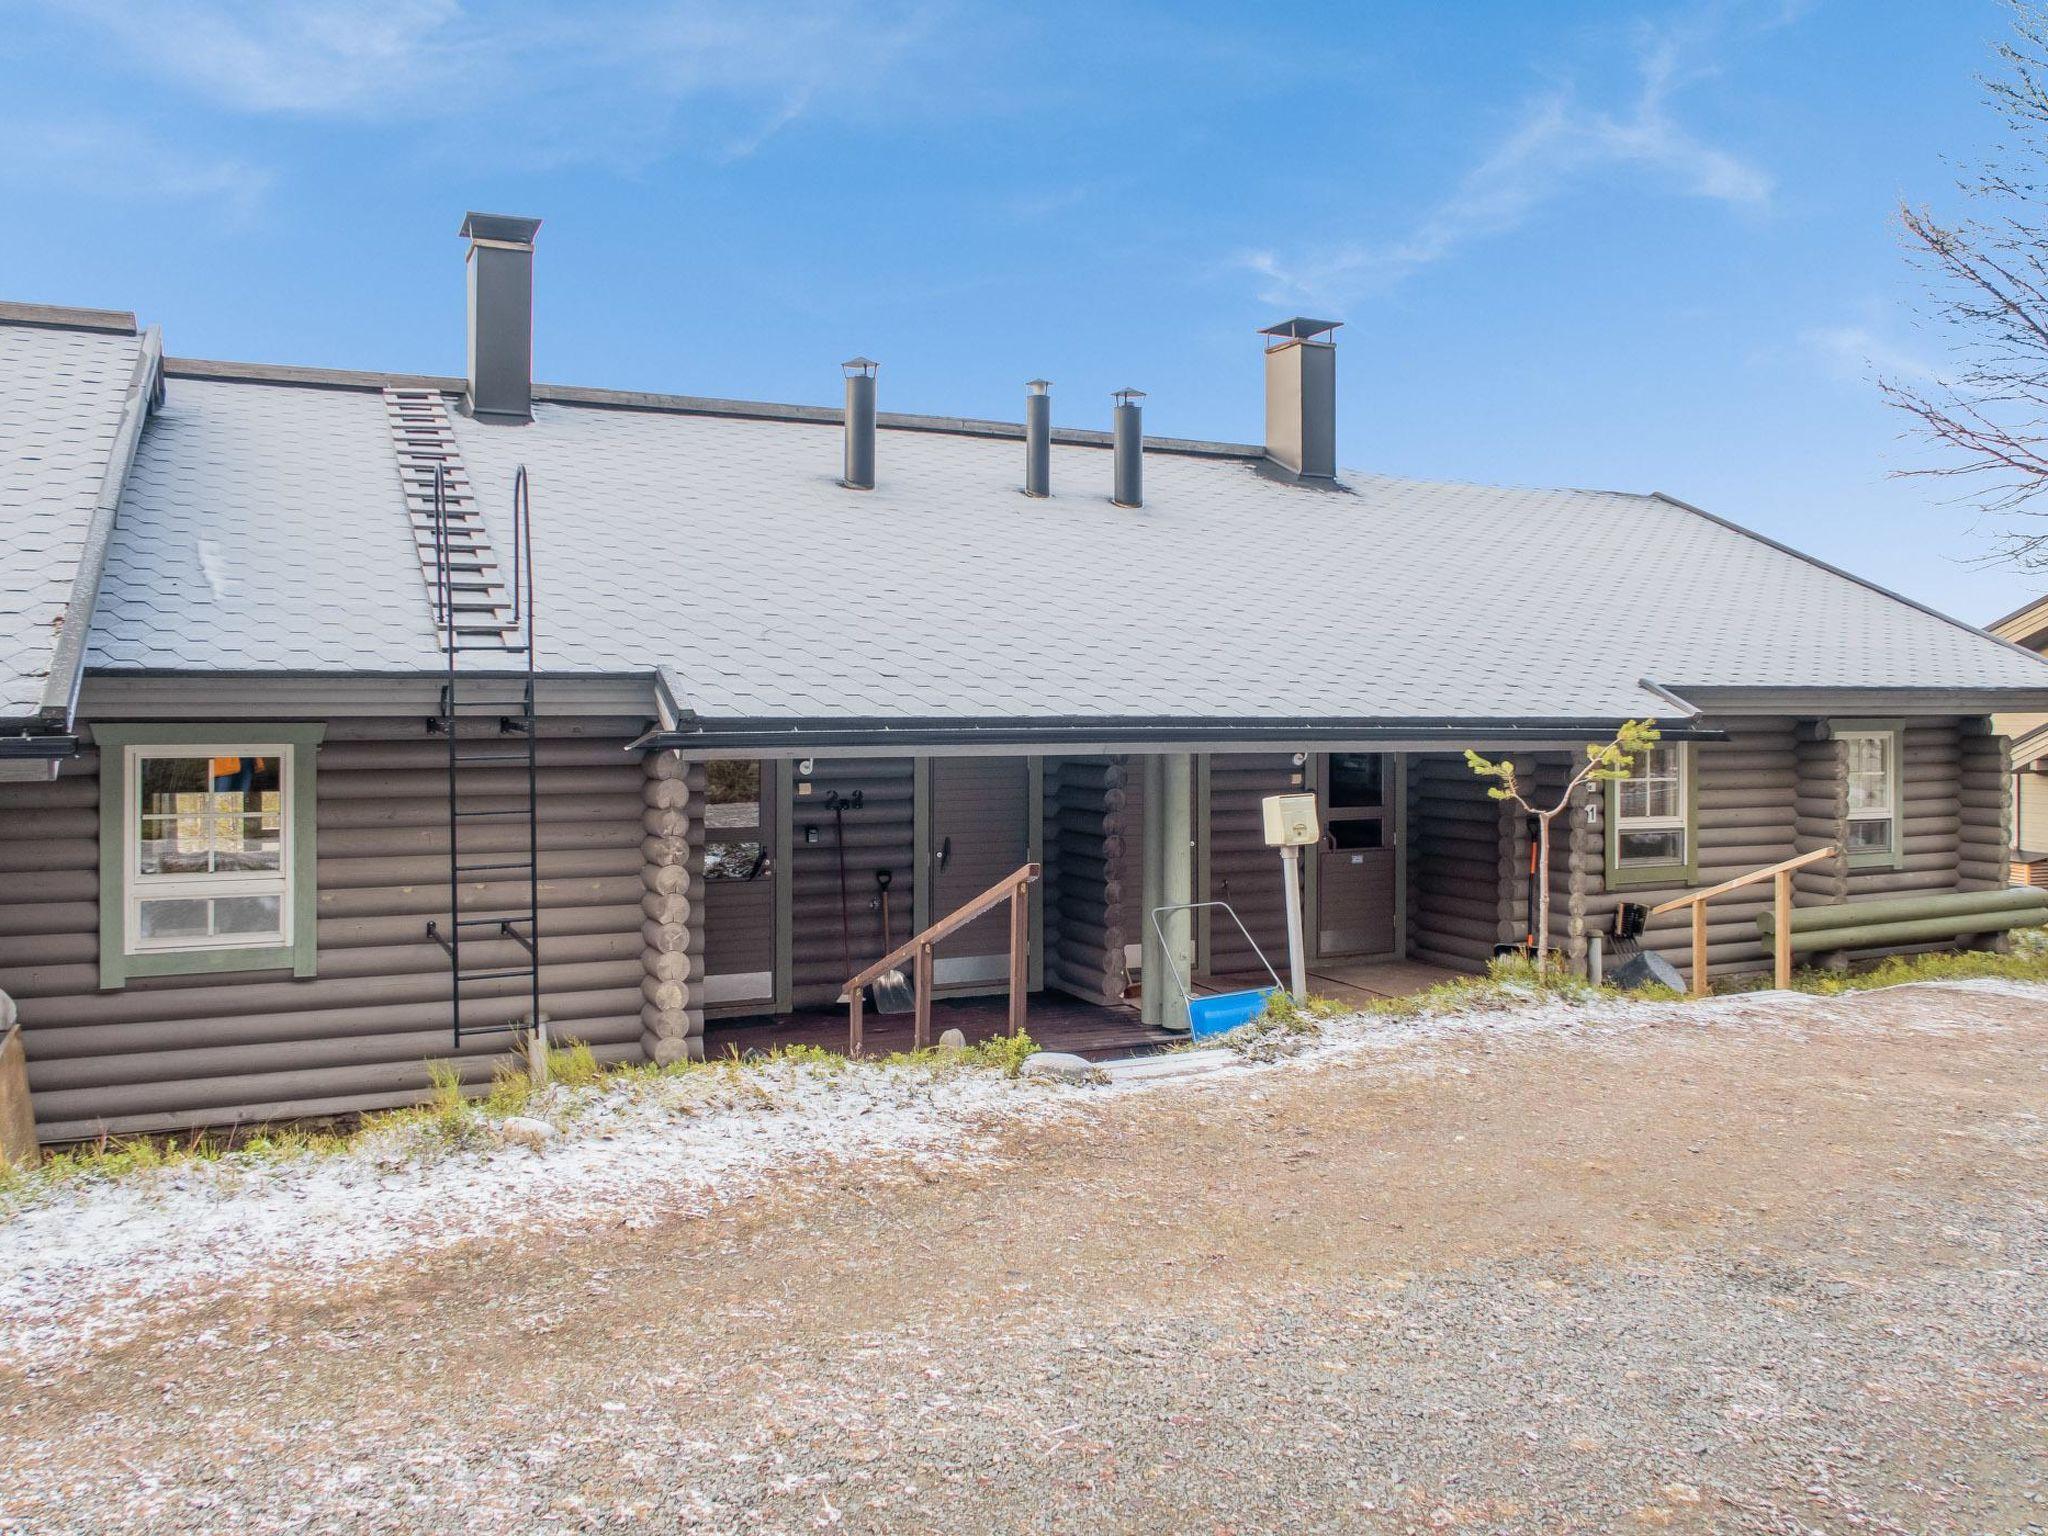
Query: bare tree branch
point(1987, 280)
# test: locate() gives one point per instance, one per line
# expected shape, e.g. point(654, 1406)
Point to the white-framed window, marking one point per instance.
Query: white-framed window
point(1651, 822)
point(1870, 758)
point(207, 849)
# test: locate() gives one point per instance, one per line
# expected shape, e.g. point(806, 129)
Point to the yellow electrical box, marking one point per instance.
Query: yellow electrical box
point(1290, 820)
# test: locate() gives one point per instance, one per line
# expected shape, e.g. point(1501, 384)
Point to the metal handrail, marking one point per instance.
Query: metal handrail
point(1780, 874)
point(1010, 888)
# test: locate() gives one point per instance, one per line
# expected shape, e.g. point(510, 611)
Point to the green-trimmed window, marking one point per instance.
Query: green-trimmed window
point(206, 850)
point(1652, 820)
point(1870, 761)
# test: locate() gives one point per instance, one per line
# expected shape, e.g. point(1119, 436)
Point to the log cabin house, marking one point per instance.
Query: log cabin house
point(345, 716)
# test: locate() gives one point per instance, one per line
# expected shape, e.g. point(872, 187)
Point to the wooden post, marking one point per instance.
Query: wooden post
point(1699, 949)
point(853, 1009)
point(1020, 954)
point(1782, 938)
point(921, 1025)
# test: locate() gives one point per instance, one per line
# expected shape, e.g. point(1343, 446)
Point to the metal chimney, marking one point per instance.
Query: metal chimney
point(1130, 449)
point(500, 316)
point(1301, 397)
point(860, 423)
point(1038, 438)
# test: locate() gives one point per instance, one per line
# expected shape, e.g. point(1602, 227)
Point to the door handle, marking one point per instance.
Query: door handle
point(944, 856)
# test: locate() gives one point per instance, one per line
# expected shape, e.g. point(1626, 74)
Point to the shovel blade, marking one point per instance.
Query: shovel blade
point(892, 993)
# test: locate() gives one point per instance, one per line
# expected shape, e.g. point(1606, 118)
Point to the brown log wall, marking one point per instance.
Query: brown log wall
point(172, 1052)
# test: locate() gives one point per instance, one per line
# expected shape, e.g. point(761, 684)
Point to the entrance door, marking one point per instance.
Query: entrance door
point(1355, 870)
point(980, 832)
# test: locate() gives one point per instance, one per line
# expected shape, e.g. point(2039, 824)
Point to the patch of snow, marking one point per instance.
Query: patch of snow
point(85, 1265)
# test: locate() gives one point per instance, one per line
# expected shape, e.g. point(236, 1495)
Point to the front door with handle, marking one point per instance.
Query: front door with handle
point(980, 832)
point(1356, 863)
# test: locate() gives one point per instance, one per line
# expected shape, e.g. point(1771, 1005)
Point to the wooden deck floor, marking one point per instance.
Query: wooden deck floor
point(1057, 1022)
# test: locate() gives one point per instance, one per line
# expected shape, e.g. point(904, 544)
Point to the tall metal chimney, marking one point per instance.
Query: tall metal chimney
point(860, 423)
point(1130, 449)
point(1301, 397)
point(1038, 438)
point(500, 316)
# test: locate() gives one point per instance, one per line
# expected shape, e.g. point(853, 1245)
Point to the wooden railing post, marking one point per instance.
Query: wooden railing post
point(1020, 952)
point(921, 1020)
point(853, 1021)
point(1699, 949)
point(1781, 936)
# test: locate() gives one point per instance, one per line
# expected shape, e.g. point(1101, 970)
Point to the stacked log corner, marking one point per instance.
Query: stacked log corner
point(672, 930)
point(1088, 902)
point(1820, 817)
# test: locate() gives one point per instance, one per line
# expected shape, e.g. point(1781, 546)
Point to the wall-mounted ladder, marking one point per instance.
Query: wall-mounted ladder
point(501, 701)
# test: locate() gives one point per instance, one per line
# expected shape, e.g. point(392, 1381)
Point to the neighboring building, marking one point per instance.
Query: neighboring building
point(2028, 733)
point(225, 868)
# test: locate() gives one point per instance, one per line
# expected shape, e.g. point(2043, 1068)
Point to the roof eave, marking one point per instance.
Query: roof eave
point(59, 706)
point(1909, 700)
point(779, 737)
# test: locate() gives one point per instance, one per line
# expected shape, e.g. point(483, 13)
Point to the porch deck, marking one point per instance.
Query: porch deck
point(1057, 1022)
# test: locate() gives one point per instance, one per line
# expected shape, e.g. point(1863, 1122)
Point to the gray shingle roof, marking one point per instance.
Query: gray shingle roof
point(263, 530)
point(63, 394)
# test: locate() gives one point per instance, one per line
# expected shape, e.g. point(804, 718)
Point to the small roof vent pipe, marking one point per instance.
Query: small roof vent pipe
point(1301, 397)
point(500, 316)
point(860, 423)
point(1130, 449)
point(1038, 438)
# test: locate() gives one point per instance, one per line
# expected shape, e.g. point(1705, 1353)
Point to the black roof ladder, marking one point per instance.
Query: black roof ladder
point(492, 932)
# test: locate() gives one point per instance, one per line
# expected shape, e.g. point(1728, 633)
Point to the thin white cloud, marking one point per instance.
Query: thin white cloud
point(119, 160)
point(539, 81)
point(1558, 144)
point(1856, 353)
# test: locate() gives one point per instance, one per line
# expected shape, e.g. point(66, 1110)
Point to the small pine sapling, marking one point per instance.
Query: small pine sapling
point(1605, 762)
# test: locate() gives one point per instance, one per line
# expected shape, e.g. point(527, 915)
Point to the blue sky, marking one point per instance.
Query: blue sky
point(1633, 246)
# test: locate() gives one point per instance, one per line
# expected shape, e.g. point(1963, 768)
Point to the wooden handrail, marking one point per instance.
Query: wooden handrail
point(1784, 866)
point(957, 919)
point(1010, 888)
point(1780, 876)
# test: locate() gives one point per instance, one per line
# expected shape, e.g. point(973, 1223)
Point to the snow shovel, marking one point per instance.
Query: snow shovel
point(891, 991)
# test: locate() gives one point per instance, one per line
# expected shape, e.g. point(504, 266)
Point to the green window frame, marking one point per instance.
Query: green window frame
point(122, 748)
point(1891, 808)
point(1684, 870)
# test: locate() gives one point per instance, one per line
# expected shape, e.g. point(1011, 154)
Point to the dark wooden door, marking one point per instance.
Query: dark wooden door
point(1355, 863)
point(980, 832)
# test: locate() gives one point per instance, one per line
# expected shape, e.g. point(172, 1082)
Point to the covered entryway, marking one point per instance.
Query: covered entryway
point(1353, 879)
point(979, 830)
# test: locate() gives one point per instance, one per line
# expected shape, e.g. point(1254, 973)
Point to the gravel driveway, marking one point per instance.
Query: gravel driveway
point(1783, 1267)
